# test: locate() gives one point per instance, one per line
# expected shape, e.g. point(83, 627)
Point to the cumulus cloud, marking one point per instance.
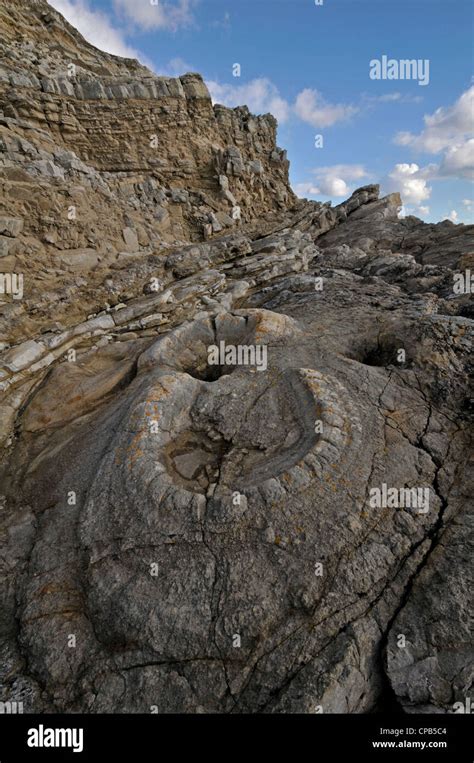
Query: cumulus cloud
point(392, 98)
point(174, 68)
point(335, 180)
point(96, 27)
point(332, 181)
point(161, 15)
point(464, 215)
point(223, 23)
point(421, 211)
point(468, 205)
point(334, 186)
point(410, 181)
point(311, 108)
point(306, 189)
point(448, 130)
point(447, 125)
point(260, 95)
point(348, 171)
point(459, 161)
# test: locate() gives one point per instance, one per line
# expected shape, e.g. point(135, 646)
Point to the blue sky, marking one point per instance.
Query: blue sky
point(309, 65)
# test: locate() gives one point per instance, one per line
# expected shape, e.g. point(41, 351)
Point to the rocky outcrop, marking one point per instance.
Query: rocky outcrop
point(235, 471)
point(102, 161)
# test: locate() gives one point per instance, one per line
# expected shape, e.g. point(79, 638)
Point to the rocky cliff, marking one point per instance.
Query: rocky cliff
point(103, 162)
point(286, 531)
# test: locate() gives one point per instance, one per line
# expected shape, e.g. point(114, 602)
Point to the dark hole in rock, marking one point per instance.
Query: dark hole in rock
point(195, 460)
point(466, 310)
point(209, 373)
point(382, 356)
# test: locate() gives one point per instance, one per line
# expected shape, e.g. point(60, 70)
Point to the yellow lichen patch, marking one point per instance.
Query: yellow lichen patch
point(133, 449)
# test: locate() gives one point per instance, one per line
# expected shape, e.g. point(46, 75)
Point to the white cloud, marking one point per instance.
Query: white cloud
point(333, 186)
point(161, 15)
point(223, 23)
point(448, 125)
point(306, 189)
point(332, 181)
point(393, 97)
point(410, 181)
point(459, 161)
point(96, 27)
point(311, 108)
point(174, 68)
point(421, 211)
point(468, 205)
point(260, 95)
point(348, 171)
point(387, 97)
point(453, 216)
point(448, 130)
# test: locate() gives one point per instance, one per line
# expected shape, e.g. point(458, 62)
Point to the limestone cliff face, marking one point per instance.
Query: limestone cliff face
point(92, 144)
point(120, 118)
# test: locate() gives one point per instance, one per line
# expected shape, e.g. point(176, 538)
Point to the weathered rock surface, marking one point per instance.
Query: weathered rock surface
point(197, 537)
